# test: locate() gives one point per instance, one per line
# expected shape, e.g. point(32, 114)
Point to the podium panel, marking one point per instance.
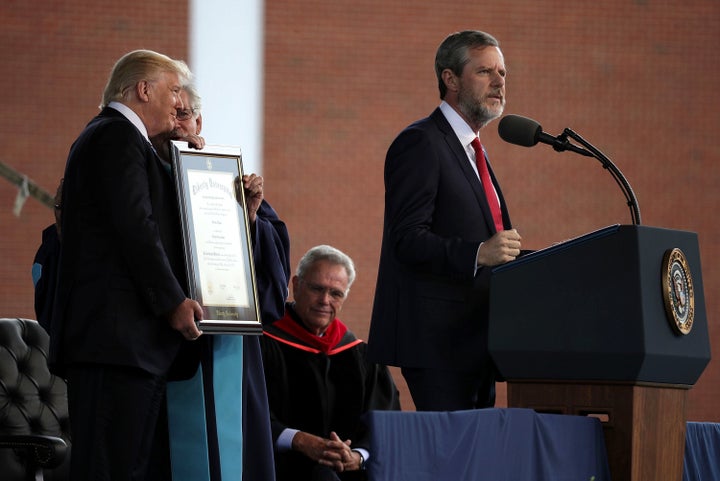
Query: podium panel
point(611, 324)
point(593, 309)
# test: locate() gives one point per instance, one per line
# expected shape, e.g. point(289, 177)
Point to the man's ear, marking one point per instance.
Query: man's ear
point(198, 122)
point(449, 79)
point(142, 90)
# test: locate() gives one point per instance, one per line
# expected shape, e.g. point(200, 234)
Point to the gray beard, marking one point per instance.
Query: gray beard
point(476, 112)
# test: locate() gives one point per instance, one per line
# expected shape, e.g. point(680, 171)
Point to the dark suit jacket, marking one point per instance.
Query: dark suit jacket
point(430, 309)
point(121, 263)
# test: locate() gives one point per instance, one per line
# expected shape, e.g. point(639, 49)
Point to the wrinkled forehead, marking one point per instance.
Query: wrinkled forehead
point(486, 53)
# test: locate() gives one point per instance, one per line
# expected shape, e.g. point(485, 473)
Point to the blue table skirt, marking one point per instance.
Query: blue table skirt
point(489, 444)
point(702, 452)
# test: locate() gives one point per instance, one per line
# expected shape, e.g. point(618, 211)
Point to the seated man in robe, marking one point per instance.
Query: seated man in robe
point(318, 380)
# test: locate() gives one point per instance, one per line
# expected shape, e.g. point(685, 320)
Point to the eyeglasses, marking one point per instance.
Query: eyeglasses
point(319, 290)
point(185, 114)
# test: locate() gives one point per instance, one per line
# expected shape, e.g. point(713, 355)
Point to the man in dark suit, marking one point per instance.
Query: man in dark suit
point(442, 235)
point(121, 313)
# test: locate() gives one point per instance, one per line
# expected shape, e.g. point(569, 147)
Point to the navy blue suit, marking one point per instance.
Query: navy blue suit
point(121, 272)
point(122, 266)
point(430, 308)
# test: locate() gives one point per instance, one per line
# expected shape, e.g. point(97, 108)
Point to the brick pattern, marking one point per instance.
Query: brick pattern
point(342, 78)
point(56, 59)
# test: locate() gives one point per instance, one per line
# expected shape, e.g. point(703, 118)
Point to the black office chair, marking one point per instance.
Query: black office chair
point(34, 421)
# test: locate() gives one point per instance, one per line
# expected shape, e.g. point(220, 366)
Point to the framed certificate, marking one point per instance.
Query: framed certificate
point(216, 235)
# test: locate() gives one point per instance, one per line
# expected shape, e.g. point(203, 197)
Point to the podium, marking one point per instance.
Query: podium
point(613, 325)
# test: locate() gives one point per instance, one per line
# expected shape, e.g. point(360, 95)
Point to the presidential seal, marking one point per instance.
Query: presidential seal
point(678, 293)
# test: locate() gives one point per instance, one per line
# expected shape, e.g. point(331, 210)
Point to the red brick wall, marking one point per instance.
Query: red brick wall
point(56, 57)
point(342, 78)
point(637, 79)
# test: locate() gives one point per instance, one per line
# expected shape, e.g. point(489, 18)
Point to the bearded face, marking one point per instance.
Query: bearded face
point(480, 94)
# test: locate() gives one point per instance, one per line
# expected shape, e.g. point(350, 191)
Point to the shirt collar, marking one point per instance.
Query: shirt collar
point(461, 128)
point(131, 116)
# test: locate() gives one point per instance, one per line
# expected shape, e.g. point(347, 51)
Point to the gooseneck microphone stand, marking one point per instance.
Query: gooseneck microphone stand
point(612, 168)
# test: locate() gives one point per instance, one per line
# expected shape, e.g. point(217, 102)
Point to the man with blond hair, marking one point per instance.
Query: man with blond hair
point(121, 314)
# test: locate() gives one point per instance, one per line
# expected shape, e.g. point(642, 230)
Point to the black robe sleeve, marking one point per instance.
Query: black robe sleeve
point(271, 256)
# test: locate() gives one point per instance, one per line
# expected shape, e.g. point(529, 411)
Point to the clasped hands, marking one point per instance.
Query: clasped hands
point(333, 452)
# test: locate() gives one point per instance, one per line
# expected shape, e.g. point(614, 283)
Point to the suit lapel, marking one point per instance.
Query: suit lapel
point(461, 160)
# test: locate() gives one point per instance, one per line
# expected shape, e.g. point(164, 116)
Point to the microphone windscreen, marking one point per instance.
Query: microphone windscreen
point(519, 130)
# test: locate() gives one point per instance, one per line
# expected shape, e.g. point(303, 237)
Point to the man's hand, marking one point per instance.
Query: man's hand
point(310, 445)
point(333, 452)
point(341, 456)
point(195, 141)
point(182, 319)
point(252, 188)
point(503, 247)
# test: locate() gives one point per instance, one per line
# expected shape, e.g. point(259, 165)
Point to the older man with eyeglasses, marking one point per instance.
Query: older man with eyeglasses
point(319, 382)
point(271, 257)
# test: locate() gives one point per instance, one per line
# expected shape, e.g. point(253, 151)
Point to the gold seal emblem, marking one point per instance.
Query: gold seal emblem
point(678, 292)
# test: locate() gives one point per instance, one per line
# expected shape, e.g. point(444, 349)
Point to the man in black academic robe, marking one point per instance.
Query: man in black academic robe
point(318, 380)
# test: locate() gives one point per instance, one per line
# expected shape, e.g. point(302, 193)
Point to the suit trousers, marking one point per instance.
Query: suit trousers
point(113, 419)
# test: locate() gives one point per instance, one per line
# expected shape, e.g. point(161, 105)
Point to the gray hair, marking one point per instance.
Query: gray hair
point(193, 97)
point(326, 253)
point(453, 53)
point(139, 65)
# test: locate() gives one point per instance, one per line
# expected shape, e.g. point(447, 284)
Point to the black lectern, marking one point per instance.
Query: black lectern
point(610, 324)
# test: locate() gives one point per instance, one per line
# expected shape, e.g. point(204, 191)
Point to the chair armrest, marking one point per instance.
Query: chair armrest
point(43, 451)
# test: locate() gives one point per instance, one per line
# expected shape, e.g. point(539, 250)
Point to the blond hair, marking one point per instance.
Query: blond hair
point(139, 65)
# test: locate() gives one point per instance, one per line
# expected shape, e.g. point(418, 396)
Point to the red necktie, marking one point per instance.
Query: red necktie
point(490, 193)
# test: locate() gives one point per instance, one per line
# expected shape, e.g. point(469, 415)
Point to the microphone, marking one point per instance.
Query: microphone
point(526, 132)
